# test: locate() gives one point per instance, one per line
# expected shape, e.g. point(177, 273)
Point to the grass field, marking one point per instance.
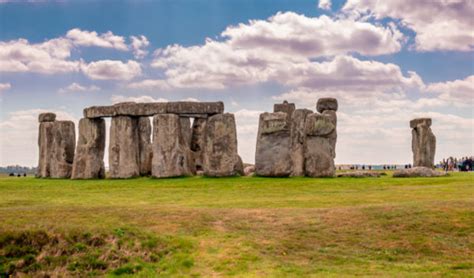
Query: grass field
point(255, 227)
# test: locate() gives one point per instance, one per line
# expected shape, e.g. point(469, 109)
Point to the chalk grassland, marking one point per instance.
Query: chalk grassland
point(250, 227)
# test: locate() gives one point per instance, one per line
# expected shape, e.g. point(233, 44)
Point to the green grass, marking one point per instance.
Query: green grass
point(239, 227)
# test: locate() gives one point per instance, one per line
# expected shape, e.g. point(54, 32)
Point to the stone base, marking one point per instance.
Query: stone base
point(418, 172)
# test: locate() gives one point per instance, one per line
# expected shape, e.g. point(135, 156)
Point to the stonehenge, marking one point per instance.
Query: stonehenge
point(297, 142)
point(188, 138)
point(169, 147)
point(56, 142)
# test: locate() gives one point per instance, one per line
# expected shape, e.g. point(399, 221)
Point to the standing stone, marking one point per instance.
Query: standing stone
point(124, 159)
point(186, 130)
point(423, 143)
point(273, 153)
point(321, 139)
point(62, 152)
point(198, 141)
point(46, 117)
point(298, 139)
point(144, 145)
point(45, 144)
point(171, 155)
point(286, 107)
point(89, 157)
point(220, 152)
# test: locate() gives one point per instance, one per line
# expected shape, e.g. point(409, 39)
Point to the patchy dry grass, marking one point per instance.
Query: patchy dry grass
point(239, 227)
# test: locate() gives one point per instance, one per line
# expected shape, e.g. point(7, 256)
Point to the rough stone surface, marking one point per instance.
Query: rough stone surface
point(186, 130)
point(171, 155)
point(62, 152)
point(273, 153)
point(326, 104)
point(45, 144)
point(144, 145)
point(153, 108)
point(198, 141)
point(46, 117)
point(418, 172)
point(220, 156)
point(89, 157)
point(239, 166)
point(319, 148)
point(124, 158)
point(359, 174)
point(286, 107)
point(423, 143)
point(298, 139)
point(420, 121)
point(249, 170)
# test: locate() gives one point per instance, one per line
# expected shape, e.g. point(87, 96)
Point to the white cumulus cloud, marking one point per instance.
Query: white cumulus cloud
point(112, 70)
point(75, 87)
point(91, 38)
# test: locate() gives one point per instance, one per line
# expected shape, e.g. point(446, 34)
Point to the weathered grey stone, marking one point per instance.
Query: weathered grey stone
point(45, 144)
point(423, 143)
point(420, 121)
point(249, 170)
point(186, 130)
point(171, 155)
point(153, 108)
point(46, 117)
point(198, 141)
point(326, 104)
point(191, 107)
point(298, 139)
point(359, 174)
point(332, 137)
point(319, 150)
point(124, 158)
point(89, 156)
point(144, 145)
point(220, 156)
point(62, 152)
point(418, 172)
point(286, 107)
point(273, 153)
point(239, 166)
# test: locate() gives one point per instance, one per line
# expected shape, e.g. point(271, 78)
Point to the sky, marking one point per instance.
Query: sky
point(386, 62)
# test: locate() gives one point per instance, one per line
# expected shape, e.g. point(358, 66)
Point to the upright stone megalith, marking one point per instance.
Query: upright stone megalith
point(45, 144)
point(144, 145)
point(273, 153)
point(321, 136)
point(124, 159)
point(423, 142)
point(56, 142)
point(62, 153)
point(220, 158)
point(171, 154)
point(89, 157)
point(286, 107)
point(298, 140)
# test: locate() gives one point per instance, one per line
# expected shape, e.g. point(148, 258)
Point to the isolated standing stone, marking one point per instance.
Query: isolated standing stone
point(144, 145)
point(124, 159)
point(298, 139)
point(62, 152)
point(45, 144)
point(321, 139)
point(198, 141)
point(89, 157)
point(423, 143)
point(220, 156)
point(273, 154)
point(171, 155)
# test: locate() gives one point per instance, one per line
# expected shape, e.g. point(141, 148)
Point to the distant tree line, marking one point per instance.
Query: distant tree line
point(17, 169)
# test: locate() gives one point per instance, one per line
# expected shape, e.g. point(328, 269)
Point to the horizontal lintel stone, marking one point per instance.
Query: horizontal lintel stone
point(194, 109)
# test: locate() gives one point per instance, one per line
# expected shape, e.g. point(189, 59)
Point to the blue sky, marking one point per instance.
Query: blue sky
point(386, 63)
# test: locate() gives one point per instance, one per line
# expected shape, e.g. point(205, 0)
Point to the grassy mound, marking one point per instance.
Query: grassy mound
point(122, 251)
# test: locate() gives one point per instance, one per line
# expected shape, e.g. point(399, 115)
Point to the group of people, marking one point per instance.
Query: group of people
point(457, 164)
